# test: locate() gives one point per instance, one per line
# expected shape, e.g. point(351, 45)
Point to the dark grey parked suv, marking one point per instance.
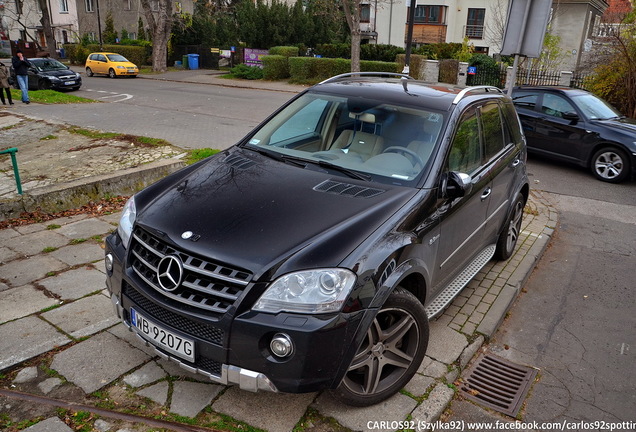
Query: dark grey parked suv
point(312, 254)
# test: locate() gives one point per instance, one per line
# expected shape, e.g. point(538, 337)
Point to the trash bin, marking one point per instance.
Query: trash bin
point(184, 61)
point(193, 61)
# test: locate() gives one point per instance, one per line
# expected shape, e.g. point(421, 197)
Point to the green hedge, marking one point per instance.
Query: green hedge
point(416, 65)
point(314, 69)
point(275, 67)
point(140, 55)
point(286, 51)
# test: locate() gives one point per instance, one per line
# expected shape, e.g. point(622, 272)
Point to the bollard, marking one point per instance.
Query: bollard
point(12, 151)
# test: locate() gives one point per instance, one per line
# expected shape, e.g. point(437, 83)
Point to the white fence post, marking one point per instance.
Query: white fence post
point(430, 73)
point(462, 74)
point(565, 79)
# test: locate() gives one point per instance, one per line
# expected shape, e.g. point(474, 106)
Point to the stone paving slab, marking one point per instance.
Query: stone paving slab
point(96, 362)
point(22, 301)
point(145, 375)
point(86, 228)
point(84, 317)
point(25, 338)
point(73, 255)
point(36, 242)
point(74, 284)
point(189, 398)
point(274, 412)
point(23, 271)
point(157, 393)
point(52, 424)
point(394, 409)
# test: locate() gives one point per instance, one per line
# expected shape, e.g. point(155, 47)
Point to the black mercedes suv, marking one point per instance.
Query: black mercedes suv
point(312, 254)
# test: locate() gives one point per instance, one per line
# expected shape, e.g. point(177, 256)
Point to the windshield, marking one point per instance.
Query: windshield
point(392, 143)
point(595, 108)
point(48, 65)
point(117, 58)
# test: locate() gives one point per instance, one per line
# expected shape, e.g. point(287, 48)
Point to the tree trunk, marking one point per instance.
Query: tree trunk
point(352, 13)
point(45, 20)
point(160, 29)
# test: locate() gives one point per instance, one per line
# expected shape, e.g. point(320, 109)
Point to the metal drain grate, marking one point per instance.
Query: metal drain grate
point(498, 384)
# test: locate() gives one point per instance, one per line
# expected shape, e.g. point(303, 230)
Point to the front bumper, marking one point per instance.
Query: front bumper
point(234, 348)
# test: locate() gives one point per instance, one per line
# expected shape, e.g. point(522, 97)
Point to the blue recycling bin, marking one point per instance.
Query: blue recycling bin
point(193, 61)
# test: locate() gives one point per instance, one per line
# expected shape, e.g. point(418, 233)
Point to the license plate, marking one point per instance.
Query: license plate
point(69, 83)
point(165, 339)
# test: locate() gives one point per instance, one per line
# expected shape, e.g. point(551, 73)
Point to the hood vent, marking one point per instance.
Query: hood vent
point(340, 188)
point(238, 161)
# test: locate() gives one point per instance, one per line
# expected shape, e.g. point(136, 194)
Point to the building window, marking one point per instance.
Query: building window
point(365, 13)
point(154, 5)
point(429, 15)
point(90, 7)
point(127, 5)
point(132, 36)
point(63, 6)
point(92, 36)
point(475, 23)
point(23, 35)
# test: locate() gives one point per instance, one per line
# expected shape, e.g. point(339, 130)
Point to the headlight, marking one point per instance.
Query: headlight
point(121, 67)
point(127, 220)
point(53, 78)
point(310, 291)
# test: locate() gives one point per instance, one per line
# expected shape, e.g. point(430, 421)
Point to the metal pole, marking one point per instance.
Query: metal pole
point(409, 37)
point(99, 25)
point(14, 162)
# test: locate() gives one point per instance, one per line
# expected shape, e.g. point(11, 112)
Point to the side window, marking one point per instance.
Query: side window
point(525, 100)
point(512, 121)
point(465, 154)
point(555, 105)
point(303, 122)
point(492, 126)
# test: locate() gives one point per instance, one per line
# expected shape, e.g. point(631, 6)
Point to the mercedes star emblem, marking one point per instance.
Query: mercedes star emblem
point(170, 272)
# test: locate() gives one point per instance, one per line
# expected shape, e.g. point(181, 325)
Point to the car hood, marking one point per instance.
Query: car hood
point(625, 124)
point(57, 73)
point(124, 64)
point(268, 217)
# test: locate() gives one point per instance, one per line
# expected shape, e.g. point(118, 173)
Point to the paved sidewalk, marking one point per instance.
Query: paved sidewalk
point(59, 338)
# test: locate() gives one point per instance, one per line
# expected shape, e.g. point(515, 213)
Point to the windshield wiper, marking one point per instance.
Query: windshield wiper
point(280, 157)
point(351, 173)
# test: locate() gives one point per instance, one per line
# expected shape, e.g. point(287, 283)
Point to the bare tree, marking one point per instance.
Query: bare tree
point(45, 20)
point(160, 29)
point(20, 16)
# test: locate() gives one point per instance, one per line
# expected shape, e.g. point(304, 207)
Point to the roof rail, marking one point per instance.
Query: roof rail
point(467, 90)
point(350, 74)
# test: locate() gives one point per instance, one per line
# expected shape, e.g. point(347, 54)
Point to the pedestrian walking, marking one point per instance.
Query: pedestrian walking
point(21, 67)
point(4, 84)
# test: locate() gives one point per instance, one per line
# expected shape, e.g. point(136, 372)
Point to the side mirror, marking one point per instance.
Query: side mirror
point(571, 116)
point(458, 185)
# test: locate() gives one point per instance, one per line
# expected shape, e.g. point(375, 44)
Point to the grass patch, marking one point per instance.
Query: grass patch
point(147, 141)
point(199, 154)
point(53, 226)
point(50, 97)
point(77, 241)
point(49, 249)
point(92, 133)
point(48, 137)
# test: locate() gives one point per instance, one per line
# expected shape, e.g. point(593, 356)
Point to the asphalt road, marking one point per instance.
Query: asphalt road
point(188, 115)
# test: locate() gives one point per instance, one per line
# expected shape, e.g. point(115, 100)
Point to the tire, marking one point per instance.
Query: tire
point(610, 164)
point(89, 72)
point(509, 236)
point(111, 73)
point(44, 84)
point(390, 354)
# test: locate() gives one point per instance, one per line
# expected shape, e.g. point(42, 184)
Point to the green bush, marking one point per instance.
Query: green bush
point(416, 65)
point(313, 69)
point(286, 51)
point(380, 52)
point(244, 71)
point(275, 67)
point(137, 54)
point(342, 50)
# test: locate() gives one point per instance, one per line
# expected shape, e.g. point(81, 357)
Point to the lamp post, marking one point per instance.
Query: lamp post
point(99, 25)
point(409, 37)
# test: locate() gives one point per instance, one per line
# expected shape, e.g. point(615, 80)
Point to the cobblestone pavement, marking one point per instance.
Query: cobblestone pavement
point(59, 339)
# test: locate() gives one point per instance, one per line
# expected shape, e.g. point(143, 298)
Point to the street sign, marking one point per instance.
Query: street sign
point(525, 27)
point(472, 70)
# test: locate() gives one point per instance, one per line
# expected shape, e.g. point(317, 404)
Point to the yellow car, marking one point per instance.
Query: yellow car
point(110, 64)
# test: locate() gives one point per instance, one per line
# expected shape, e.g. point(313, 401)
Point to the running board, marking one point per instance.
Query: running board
point(449, 293)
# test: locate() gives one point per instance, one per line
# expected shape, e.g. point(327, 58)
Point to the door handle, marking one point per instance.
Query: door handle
point(516, 162)
point(485, 194)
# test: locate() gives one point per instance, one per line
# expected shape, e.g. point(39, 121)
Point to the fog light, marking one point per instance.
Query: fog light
point(108, 261)
point(281, 345)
